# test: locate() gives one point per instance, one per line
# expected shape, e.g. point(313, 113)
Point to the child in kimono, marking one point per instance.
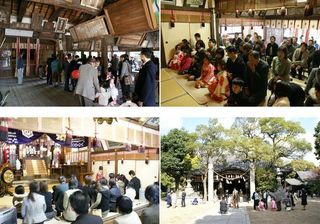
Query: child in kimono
point(207, 74)
point(185, 63)
point(219, 88)
point(194, 70)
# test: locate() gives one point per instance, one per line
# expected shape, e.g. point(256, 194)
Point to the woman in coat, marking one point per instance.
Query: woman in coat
point(304, 198)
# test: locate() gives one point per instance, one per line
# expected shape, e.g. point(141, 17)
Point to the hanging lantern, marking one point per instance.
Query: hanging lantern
point(122, 161)
point(108, 161)
point(308, 10)
point(146, 160)
point(172, 20)
point(68, 140)
point(238, 13)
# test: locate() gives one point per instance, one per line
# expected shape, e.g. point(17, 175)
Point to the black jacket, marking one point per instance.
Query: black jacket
point(258, 83)
point(239, 99)
point(136, 185)
point(237, 68)
point(274, 49)
point(87, 219)
point(105, 200)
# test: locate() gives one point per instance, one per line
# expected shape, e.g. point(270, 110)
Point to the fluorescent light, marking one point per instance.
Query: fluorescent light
point(301, 1)
point(18, 33)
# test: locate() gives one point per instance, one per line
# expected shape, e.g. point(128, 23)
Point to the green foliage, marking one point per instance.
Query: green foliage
point(284, 138)
point(302, 165)
point(166, 180)
point(176, 147)
point(265, 179)
point(317, 140)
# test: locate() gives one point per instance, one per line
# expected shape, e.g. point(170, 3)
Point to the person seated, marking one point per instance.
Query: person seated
point(79, 202)
point(282, 91)
point(68, 213)
point(273, 204)
point(223, 206)
point(114, 195)
point(175, 62)
point(50, 212)
point(150, 215)
point(125, 208)
point(59, 195)
point(185, 63)
point(102, 198)
point(280, 66)
point(261, 206)
point(207, 74)
point(219, 88)
point(194, 70)
point(113, 93)
point(17, 200)
point(313, 78)
point(316, 59)
point(237, 95)
point(314, 96)
point(195, 201)
point(235, 65)
point(130, 191)
point(299, 60)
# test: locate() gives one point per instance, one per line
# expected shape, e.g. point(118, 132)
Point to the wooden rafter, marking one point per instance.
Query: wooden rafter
point(45, 15)
point(22, 8)
point(56, 13)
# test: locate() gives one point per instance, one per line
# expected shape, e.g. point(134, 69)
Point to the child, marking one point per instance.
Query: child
point(219, 88)
point(237, 95)
point(176, 60)
point(273, 204)
point(223, 206)
point(261, 206)
point(17, 200)
point(128, 102)
point(185, 63)
point(195, 201)
point(281, 92)
point(194, 70)
point(103, 96)
point(207, 74)
point(99, 175)
point(113, 92)
point(314, 96)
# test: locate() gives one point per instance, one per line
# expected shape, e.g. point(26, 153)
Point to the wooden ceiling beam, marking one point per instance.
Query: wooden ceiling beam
point(56, 13)
point(74, 6)
point(22, 8)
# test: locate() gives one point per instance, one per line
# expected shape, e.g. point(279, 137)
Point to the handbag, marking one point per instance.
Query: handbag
point(97, 212)
point(127, 80)
point(75, 74)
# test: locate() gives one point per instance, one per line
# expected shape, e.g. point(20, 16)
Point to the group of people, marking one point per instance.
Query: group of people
point(241, 72)
point(89, 203)
point(87, 79)
point(267, 200)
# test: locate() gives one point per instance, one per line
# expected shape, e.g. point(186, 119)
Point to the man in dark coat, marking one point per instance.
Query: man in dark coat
point(114, 67)
point(272, 49)
point(145, 84)
point(136, 182)
point(257, 79)
point(235, 65)
point(67, 72)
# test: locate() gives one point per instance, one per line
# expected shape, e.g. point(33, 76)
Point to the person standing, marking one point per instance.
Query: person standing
point(145, 84)
point(272, 49)
point(304, 198)
point(125, 76)
point(265, 199)
point(20, 68)
point(88, 83)
point(183, 199)
point(136, 182)
point(49, 71)
point(114, 67)
point(67, 72)
point(56, 71)
point(256, 199)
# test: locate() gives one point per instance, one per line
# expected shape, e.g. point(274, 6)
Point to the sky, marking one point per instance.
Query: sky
point(190, 125)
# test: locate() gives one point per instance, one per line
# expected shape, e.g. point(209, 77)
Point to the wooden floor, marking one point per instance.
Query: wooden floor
point(35, 92)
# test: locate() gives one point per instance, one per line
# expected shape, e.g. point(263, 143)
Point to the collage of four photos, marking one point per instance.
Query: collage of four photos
point(199, 145)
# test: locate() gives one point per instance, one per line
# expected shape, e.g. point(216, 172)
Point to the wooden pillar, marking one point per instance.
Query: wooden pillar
point(89, 168)
point(17, 55)
point(104, 56)
point(28, 57)
point(37, 56)
point(115, 162)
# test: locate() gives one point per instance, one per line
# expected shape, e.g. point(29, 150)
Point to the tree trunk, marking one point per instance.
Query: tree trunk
point(252, 179)
point(176, 187)
point(204, 182)
point(210, 181)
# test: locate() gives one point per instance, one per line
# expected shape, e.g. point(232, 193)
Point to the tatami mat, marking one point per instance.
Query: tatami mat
point(165, 75)
point(170, 89)
point(182, 101)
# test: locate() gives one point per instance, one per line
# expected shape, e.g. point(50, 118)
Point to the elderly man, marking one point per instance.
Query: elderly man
point(88, 83)
point(257, 79)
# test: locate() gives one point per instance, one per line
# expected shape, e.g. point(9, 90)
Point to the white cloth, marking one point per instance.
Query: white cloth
point(18, 164)
point(69, 214)
point(131, 218)
point(104, 97)
point(20, 75)
point(128, 103)
point(131, 193)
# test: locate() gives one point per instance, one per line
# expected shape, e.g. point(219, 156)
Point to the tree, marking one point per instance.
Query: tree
point(302, 165)
point(248, 145)
point(317, 140)
point(284, 138)
point(175, 149)
point(210, 149)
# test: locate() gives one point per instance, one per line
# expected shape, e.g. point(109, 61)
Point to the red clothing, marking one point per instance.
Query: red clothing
point(219, 87)
point(207, 73)
point(185, 63)
point(99, 176)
